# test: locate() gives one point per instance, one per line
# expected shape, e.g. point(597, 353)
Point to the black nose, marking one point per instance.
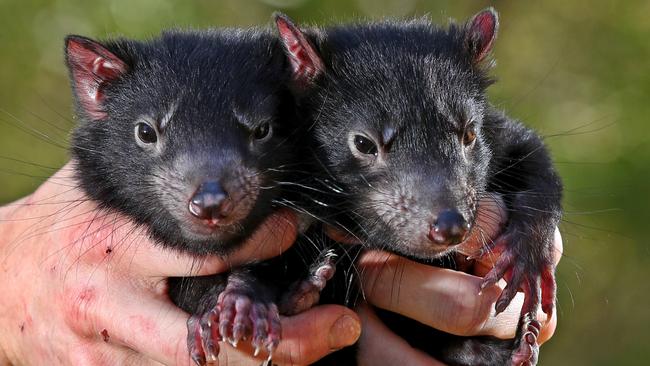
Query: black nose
point(209, 202)
point(449, 228)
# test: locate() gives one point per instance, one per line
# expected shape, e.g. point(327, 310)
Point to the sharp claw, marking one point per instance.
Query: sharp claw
point(487, 282)
point(548, 310)
point(212, 358)
point(479, 254)
point(501, 306)
point(198, 360)
point(223, 330)
point(535, 324)
point(270, 347)
point(530, 338)
point(242, 318)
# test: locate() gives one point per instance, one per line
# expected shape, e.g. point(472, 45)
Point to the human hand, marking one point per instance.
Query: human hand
point(441, 298)
point(82, 286)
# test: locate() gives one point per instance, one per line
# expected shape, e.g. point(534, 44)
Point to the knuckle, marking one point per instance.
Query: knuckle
point(548, 329)
point(78, 309)
point(470, 312)
point(179, 352)
point(88, 354)
point(297, 355)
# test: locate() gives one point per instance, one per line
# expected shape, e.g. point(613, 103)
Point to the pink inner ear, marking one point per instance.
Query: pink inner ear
point(484, 25)
point(92, 66)
point(305, 62)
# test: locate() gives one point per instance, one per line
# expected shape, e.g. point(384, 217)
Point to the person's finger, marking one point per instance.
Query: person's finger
point(504, 325)
point(89, 352)
point(488, 225)
point(157, 329)
point(373, 343)
point(548, 328)
point(276, 233)
point(272, 238)
point(148, 324)
point(341, 236)
point(558, 246)
point(309, 336)
point(101, 236)
point(443, 299)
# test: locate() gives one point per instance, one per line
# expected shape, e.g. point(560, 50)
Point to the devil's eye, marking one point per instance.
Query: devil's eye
point(146, 133)
point(262, 131)
point(365, 145)
point(469, 136)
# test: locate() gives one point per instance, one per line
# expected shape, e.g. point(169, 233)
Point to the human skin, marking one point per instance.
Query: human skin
point(85, 287)
point(81, 286)
point(441, 298)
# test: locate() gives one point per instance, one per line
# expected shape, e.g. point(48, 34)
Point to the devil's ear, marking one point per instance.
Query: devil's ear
point(481, 31)
point(91, 66)
point(306, 63)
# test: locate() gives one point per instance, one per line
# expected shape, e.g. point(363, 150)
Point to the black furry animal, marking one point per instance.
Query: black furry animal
point(402, 124)
point(190, 134)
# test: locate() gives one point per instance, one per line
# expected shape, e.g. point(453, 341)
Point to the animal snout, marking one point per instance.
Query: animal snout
point(210, 202)
point(449, 228)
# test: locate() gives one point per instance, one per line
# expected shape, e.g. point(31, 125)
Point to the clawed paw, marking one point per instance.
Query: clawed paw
point(528, 351)
point(536, 281)
point(236, 317)
point(304, 294)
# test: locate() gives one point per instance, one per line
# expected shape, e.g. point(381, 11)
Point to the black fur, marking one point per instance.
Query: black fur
point(422, 87)
point(222, 84)
point(412, 81)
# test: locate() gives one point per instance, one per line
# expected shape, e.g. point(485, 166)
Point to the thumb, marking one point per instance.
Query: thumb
point(312, 335)
point(372, 345)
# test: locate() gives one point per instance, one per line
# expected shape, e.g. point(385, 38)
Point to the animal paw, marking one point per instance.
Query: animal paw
point(536, 281)
point(304, 294)
point(235, 317)
point(527, 352)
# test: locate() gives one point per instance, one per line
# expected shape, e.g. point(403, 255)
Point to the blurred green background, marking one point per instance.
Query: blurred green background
point(577, 71)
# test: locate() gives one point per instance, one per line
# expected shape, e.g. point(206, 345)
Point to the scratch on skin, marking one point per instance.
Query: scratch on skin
point(105, 335)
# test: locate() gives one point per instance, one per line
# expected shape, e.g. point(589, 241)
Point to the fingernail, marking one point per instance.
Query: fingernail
point(344, 332)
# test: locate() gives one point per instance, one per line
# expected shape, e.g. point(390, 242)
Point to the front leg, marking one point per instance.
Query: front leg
point(522, 172)
point(243, 309)
point(305, 293)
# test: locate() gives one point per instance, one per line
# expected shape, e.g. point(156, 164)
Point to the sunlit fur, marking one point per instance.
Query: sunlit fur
point(204, 92)
point(422, 86)
point(402, 77)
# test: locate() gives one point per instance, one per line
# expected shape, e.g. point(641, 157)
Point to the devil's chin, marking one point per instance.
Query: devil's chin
point(211, 231)
point(427, 250)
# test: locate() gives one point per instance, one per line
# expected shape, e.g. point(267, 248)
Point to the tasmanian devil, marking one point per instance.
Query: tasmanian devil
point(190, 135)
point(401, 121)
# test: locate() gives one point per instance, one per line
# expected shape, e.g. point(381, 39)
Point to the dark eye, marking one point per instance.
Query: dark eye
point(146, 133)
point(262, 131)
point(469, 136)
point(365, 145)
